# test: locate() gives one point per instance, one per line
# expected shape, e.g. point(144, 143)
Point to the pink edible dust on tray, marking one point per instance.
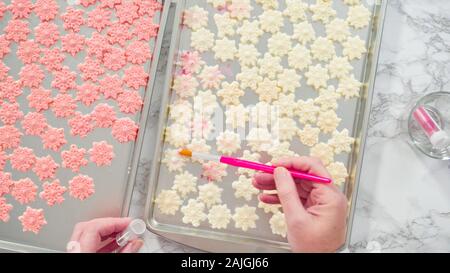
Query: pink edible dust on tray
point(101, 93)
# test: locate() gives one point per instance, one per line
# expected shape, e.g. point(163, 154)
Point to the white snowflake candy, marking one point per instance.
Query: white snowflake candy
point(280, 150)
point(211, 77)
point(299, 57)
point(205, 102)
point(249, 32)
point(307, 111)
point(185, 85)
point(286, 128)
point(199, 146)
point(278, 224)
point(286, 105)
point(180, 111)
point(243, 188)
point(268, 4)
point(248, 54)
point(168, 202)
point(202, 39)
point(230, 93)
point(322, 11)
point(303, 32)
point(322, 49)
point(328, 121)
point(195, 17)
point(295, 10)
point(259, 139)
point(249, 77)
point(173, 160)
point(236, 116)
point(268, 90)
point(338, 172)
point(354, 47)
point(210, 194)
point(270, 66)
point(185, 183)
point(341, 141)
point(193, 213)
point(317, 76)
point(225, 25)
point(327, 99)
point(279, 44)
point(337, 30)
point(339, 67)
point(269, 208)
point(349, 87)
point(271, 21)
point(324, 152)
point(245, 217)
point(228, 142)
point(225, 49)
point(240, 9)
point(358, 16)
point(177, 134)
point(309, 135)
point(249, 156)
point(289, 80)
point(352, 2)
point(219, 216)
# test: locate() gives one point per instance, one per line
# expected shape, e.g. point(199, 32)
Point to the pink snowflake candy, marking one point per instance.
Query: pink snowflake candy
point(87, 3)
point(10, 113)
point(149, 7)
point(99, 18)
point(10, 89)
point(103, 115)
point(101, 153)
point(109, 3)
point(88, 93)
point(3, 158)
point(3, 9)
point(39, 99)
point(72, 43)
point(63, 105)
point(53, 192)
point(111, 86)
point(138, 52)
point(46, 10)
point(53, 59)
point(9, 137)
point(97, 45)
point(45, 167)
point(46, 33)
point(91, 69)
point(64, 79)
point(213, 171)
point(130, 102)
point(32, 220)
point(145, 29)
point(191, 62)
point(114, 59)
point(31, 75)
point(24, 191)
point(34, 123)
point(21, 8)
point(126, 12)
point(74, 158)
point(81, 125)
point(6, 183)
point(81, 187)
point(17, 30)
point(124, 130)
point(5, 208)
point(28, 51)
point(22, 159)
point(73, 19)
point(3, 71)
point(135, 77)
point(53, 138)
point(4, 46)
point(119, 33)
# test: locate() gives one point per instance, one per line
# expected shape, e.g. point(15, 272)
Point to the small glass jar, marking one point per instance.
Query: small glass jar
point(429, 125)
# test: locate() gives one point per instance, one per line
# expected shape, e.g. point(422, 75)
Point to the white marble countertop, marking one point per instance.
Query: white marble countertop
point(404, 198)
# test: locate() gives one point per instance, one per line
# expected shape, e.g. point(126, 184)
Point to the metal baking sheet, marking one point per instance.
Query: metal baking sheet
point(113, 184)
point(354, 114)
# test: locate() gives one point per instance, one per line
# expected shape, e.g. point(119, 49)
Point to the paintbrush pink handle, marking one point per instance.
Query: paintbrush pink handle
point(270, 169)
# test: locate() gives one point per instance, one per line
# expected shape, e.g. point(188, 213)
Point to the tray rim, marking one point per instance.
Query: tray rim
point(369, 74)
point(137, 147)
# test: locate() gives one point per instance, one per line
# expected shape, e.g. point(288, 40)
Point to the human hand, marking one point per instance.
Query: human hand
point(315, 213)
point(98, 235)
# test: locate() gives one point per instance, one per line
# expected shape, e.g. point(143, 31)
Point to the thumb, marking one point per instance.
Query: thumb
point(287, 193)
